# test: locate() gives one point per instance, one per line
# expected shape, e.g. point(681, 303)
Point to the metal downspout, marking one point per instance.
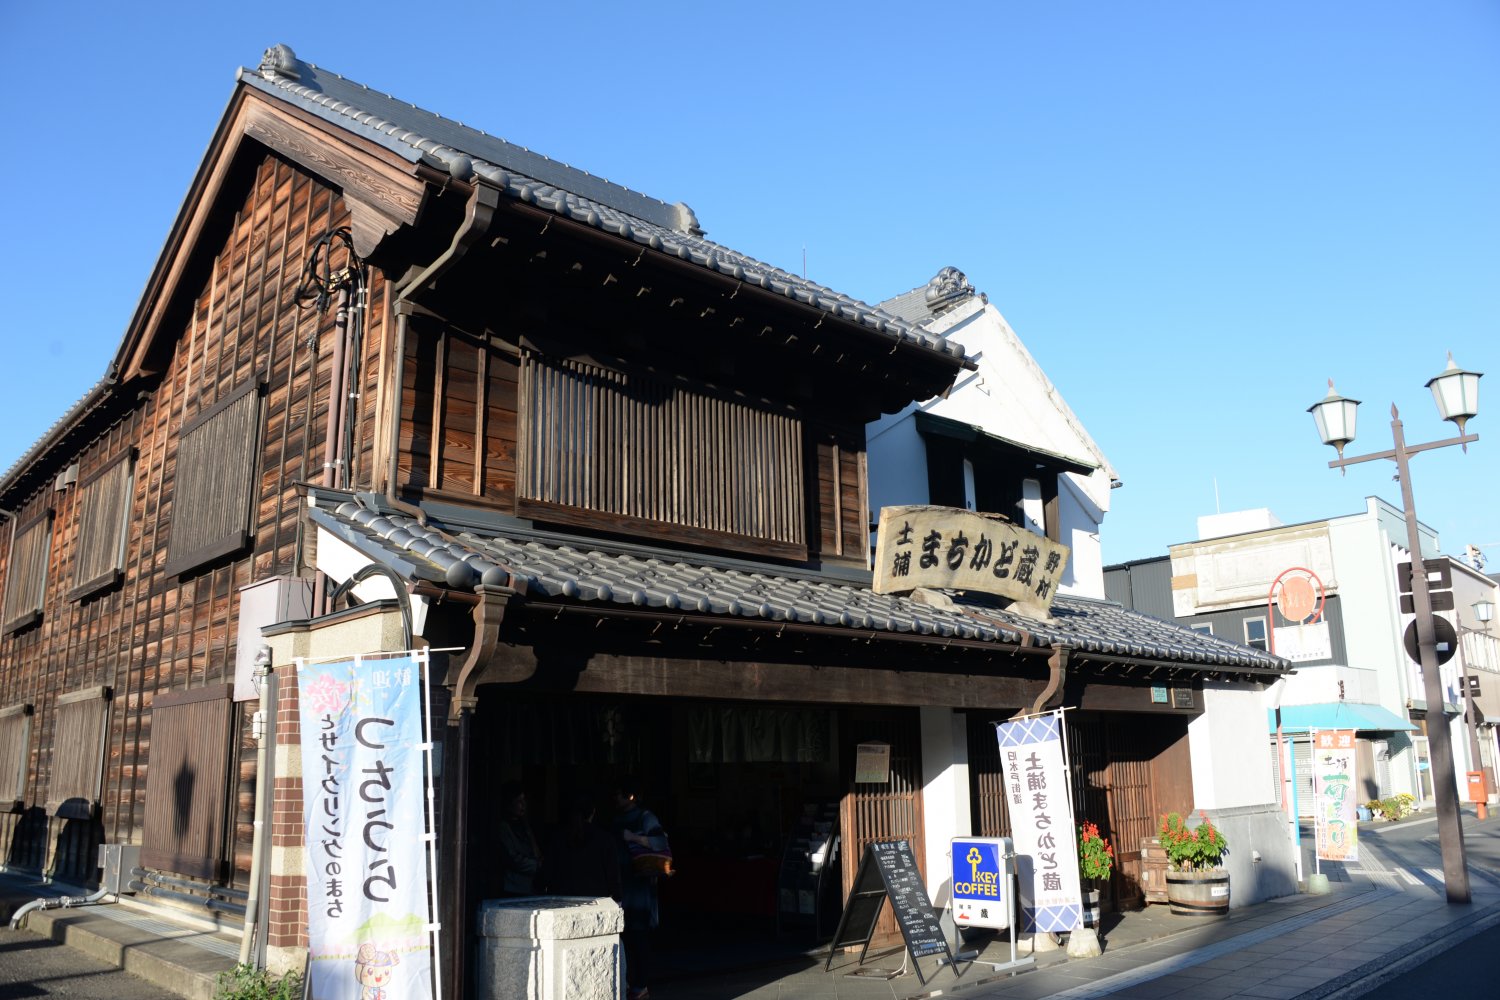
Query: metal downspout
point(477, 215)
point(332, 438)
point(258, 732)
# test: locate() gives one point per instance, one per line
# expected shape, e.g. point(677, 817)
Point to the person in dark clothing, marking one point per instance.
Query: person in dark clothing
point(636, 826)
point(520, 858)
point(580, 859)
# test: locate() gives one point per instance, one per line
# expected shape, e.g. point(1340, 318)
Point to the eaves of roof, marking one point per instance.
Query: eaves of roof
point(569, 568)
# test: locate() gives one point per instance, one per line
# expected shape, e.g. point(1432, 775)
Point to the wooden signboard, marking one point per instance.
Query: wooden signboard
point(889, 871)
point(944, 548)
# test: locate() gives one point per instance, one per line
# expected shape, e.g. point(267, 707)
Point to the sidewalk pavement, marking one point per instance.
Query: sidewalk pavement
point(1382, 916)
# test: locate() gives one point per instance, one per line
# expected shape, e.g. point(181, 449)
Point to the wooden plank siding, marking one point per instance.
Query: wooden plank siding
point(151, 633)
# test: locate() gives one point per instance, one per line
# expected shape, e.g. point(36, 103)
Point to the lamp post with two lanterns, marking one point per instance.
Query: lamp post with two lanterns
point(1456, 392)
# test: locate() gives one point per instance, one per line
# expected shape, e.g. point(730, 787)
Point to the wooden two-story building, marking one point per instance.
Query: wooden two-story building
point(392, 368)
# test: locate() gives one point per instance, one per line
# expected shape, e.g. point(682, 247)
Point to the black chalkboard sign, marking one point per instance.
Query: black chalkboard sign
point(887, 870)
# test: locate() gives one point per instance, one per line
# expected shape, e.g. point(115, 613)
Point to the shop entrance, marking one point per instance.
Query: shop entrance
point(1127, 770)
point(759, 801)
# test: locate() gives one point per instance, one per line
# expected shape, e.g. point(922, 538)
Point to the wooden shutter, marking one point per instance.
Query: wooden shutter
point(78, 753)
point(26, 572)
point(15, 742)
point(649, 449)
point(213, 491)
point(187, 781)
point(889, 810)
point(104, 512)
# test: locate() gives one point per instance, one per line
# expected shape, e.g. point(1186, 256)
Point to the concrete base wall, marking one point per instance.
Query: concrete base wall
point(1256, 830)
point(551, 948)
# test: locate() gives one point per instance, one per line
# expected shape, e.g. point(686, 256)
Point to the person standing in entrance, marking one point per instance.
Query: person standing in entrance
point(636, 826)
point(519, 856)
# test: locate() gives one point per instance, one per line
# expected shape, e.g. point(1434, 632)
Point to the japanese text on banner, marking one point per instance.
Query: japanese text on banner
point(1041, 815)
point(363, 799)
point(1334, 794)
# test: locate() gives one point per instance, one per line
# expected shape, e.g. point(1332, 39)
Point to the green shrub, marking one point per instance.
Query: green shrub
point(246, 982)
point(1191, 848)
point(1397, 806)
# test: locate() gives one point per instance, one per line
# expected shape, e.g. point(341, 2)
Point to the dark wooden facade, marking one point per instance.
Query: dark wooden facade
point(139, 627)
point(508, 362)
point(555, 374)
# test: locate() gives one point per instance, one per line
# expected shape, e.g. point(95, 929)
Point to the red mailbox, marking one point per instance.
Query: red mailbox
point(1477, 790)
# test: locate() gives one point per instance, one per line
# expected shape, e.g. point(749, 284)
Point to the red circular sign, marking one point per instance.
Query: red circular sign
point(1299, 595)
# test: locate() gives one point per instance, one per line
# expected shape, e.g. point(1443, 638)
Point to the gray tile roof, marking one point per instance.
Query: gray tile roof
point(421, 136)
point(570, 568)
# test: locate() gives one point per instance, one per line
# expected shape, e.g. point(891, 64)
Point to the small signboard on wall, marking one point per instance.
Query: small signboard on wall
point(872, 763)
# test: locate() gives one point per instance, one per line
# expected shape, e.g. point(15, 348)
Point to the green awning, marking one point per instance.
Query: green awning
point(1337, 715)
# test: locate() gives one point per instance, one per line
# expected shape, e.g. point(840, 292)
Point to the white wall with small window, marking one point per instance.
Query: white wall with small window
point(1255, 633)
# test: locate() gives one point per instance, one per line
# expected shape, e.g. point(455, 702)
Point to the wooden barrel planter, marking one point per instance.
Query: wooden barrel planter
point(1199, 894)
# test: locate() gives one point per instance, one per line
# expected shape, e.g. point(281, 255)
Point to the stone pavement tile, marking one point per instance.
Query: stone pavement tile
point(1232, 962)
point(1271, 992)
point(1155, 989)
point(1215, 989)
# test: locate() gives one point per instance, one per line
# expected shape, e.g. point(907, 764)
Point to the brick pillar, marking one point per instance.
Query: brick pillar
point(286, 910)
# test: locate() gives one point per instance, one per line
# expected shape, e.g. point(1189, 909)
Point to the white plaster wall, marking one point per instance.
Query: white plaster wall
point(1232, 763)
point(1008, 395)
point(896, 460)
point(1362, 556)
point(945, 795)
point(1081, 521)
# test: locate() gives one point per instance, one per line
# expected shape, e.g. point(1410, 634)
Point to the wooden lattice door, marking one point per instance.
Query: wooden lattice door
point(891, 810)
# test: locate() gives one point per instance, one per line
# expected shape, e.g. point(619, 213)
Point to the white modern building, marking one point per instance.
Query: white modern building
point(1328, 595)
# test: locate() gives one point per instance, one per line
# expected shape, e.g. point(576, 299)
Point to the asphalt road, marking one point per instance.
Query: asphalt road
point(1472, 969)
point(32, 966)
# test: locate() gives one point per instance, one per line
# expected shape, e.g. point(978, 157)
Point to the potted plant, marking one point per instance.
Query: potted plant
point(1196, 884)
point(1096, 859)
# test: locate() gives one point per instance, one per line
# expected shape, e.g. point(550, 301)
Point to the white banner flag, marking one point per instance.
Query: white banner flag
point(1334, 791)
point(363, 801)
point(1041, 823)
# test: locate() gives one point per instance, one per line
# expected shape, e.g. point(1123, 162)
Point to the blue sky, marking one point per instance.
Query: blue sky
point(1193, 214)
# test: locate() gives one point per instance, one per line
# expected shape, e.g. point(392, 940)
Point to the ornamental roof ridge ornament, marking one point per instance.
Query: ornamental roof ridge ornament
point(279, 60)
point(948, 288)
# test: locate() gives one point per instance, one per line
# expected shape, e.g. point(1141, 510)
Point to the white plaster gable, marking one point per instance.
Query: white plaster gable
point(1009, 395)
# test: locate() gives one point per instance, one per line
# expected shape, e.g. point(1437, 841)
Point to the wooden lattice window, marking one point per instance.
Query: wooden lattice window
point(104, 514)
point(213, 491)
point(26, 575)
point(78, 753)
point(15, 742)
point(187, 781)
point(630, 448)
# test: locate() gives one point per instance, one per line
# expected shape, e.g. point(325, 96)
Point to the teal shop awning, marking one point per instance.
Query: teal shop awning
point(1337, 715)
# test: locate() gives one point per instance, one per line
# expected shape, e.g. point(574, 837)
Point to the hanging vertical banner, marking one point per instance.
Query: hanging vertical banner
point(363, 800)
point(1334, 794)
point(1041, 823)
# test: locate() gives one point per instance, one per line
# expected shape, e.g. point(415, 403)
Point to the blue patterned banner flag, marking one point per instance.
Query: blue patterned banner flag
point(363, 800)
point(1041, 822)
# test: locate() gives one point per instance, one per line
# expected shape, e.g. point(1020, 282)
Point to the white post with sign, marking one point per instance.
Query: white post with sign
point(984, 893)
point(1035, 765)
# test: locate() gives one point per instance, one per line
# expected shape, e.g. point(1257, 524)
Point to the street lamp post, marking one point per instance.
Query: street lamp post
point(1457, 393)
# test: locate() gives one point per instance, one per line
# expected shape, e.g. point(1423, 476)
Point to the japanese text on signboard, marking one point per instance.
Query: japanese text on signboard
point(949, 549)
